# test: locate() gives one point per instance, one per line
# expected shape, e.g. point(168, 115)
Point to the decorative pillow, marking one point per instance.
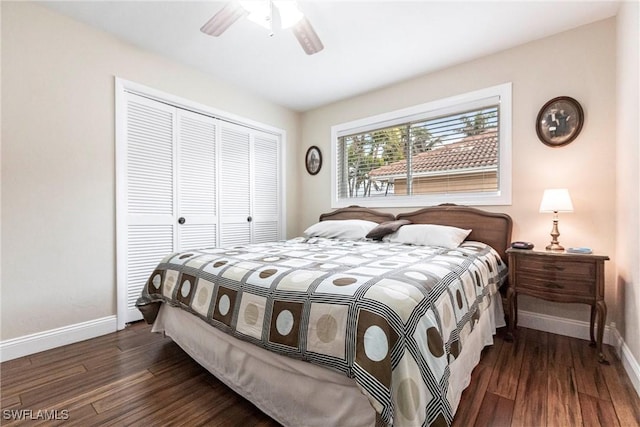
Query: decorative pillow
point(385, 228)
point(352, 229)
point(429, 235)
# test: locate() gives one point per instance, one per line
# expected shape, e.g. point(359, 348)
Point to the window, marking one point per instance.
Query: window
point(454, 150)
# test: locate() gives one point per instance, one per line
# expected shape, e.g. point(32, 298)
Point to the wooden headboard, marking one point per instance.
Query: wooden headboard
point(491, 228)
point(494, 229)
point(358, 212)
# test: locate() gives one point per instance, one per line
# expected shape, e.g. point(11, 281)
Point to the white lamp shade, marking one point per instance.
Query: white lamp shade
point(556, 200)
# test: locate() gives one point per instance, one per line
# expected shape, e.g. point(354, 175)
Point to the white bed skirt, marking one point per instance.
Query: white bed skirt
point(298, 393)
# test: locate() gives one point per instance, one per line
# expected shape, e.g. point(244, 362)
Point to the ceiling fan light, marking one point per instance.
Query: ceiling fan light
point(259, 12)
point(260, 20)
point(255, 6)
point(290, 15)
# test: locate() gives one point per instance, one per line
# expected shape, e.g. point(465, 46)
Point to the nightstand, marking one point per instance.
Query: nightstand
point(559, 277)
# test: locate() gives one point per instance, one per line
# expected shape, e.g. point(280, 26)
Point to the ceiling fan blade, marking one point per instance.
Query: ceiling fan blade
point(222, 20)
point(307, 37)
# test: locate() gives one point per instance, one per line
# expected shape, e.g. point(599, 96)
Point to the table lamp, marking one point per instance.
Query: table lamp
point(556, 200)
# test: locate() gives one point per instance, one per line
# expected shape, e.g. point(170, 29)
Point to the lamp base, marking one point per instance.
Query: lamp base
point(555, 247)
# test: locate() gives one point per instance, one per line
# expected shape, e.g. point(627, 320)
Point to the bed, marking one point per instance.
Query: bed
point(320, 331)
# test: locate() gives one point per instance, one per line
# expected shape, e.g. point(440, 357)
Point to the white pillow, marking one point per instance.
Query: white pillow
point(352, 229)
point(428, 235)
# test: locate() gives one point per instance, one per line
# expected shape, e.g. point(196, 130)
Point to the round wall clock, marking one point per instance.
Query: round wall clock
point(313, 160)
point(559, 121)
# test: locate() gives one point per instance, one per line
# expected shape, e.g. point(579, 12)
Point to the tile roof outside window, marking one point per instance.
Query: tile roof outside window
point(473, 152)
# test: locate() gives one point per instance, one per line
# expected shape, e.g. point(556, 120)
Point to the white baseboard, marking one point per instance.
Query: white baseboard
point(561, 326)
point(630, 364)
point(580, 329)
point(35, 343)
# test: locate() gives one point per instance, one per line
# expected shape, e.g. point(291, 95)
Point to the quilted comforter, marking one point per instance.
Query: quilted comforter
point(391, 316)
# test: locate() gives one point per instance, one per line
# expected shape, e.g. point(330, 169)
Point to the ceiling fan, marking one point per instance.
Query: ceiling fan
point(262, 12)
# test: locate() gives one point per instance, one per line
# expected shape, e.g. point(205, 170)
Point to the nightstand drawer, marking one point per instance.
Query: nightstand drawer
point(564, 286)
point(557, 268)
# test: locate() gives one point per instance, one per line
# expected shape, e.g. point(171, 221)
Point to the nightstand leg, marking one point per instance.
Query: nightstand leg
point(601, 308)
point(593, 319)
point(511, 308)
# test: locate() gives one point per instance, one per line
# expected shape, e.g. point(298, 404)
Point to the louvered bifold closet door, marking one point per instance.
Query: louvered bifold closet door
point(266, 188)
point(197, 213)
point(149, 192)
point(235, 194)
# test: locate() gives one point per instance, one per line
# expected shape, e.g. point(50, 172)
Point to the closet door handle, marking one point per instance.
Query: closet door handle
point(249, 219)
point(181, 220)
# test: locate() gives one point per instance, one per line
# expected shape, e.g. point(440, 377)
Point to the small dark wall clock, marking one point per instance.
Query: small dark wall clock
point(313, 160)
point(559, 121)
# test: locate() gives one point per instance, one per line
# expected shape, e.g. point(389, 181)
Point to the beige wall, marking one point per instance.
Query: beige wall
point(58, 170)
point(628, 167)
point(578, 63)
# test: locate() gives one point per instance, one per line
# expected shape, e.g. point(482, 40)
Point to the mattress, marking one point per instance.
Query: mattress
point(395, 319)
point(294, 392)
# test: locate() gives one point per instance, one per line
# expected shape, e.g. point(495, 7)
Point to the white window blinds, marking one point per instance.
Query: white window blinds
point(455, 152)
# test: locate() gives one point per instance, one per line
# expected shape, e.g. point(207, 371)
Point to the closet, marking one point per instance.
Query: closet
point(188, 180)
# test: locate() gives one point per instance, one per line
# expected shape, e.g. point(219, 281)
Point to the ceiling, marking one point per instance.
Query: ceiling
point(368, 44)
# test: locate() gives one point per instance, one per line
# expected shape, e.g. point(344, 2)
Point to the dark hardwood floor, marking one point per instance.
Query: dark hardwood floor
point(134, 377)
